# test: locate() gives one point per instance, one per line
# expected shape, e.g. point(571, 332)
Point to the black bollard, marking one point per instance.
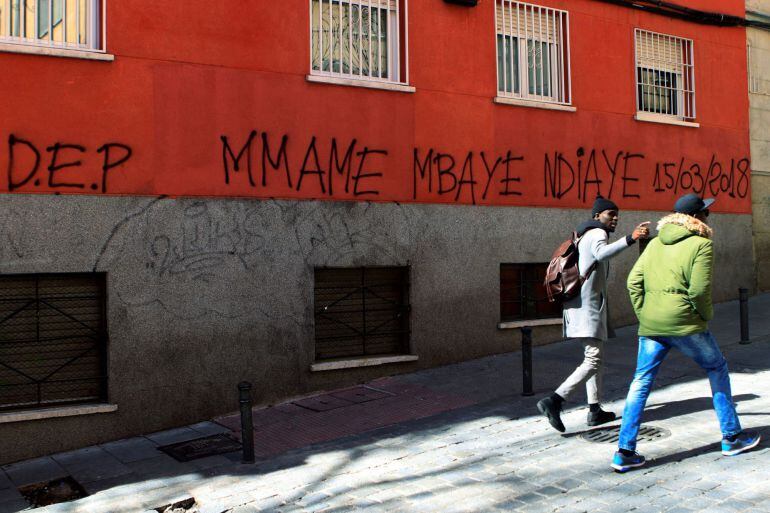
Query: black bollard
point(526, 360)
point(743, 298)
point(247, 427)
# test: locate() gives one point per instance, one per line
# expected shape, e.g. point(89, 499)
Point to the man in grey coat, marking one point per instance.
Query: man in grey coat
point(585, 316)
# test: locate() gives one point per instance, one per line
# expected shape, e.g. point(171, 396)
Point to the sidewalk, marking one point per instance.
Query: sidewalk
point(450, 439)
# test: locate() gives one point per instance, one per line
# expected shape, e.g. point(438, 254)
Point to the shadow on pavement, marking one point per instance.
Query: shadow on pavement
point(671, 409)
point(708, 449)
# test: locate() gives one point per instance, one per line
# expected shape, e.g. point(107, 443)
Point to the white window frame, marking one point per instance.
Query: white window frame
point(16, 39)
point(679, 97)
point(525, 29)
point(393, 78)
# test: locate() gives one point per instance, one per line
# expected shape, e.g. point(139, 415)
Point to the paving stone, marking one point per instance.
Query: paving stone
point(173, 436)
point(33, 471)
point(132, 449)
point(5, 481)
point(738, 505)
point(209, 428)
point(97, 468)
point(14, 506)
point(159, 467)
point(10, 494)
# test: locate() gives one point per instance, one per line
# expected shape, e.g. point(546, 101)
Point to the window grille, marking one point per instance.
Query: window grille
point(522, 293)
point(53, 340)
point(359, 39)
point(532, 52)
point(665, 75)
point(68, 24)
point(361, 311)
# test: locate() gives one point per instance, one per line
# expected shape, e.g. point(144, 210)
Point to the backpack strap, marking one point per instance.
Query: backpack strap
point(591, 269)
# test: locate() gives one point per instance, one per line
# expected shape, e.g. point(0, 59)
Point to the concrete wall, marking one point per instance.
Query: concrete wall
point(205, 293)
point(759, 100)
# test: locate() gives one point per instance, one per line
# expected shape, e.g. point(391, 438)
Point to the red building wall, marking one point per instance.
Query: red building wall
point(187, 74)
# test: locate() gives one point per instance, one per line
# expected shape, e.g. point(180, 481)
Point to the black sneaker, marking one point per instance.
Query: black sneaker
point(597, 418)
point(552, 411)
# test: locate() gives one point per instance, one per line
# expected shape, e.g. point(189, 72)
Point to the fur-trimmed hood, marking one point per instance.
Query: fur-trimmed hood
point(676, 227)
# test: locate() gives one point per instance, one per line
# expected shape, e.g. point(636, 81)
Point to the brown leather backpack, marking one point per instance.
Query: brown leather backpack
point(562, 278)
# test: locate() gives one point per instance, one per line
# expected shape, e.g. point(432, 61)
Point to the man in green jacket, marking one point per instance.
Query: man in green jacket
point(670, 288)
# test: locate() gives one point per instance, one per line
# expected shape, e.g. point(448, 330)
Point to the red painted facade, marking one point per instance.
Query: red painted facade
point(186, 74)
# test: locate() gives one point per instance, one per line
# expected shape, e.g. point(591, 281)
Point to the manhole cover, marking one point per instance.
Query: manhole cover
point(202, 447)
point(611, 435)
point(52, 492)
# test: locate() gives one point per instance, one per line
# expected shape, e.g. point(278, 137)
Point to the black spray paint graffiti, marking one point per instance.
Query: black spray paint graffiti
point(442, 169)
point(711, 180)
point(62, 158)
point(349, 165)
point(582, 176)
point(209, 239)
point(476, 175)
point(562, 176)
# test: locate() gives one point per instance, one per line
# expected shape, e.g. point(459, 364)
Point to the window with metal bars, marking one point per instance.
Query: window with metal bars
point(361, 311)
point(522, 294)
point(359, 39)
point(665, 75)
point(65, 24)
point(532, 52)
point(53, 340)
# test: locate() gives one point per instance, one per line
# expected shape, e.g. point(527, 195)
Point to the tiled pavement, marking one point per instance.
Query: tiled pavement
point(452, 439)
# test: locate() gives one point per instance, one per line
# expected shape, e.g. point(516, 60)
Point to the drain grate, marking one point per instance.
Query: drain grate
point(53, 492)
point(202, 447)
point(611, 435)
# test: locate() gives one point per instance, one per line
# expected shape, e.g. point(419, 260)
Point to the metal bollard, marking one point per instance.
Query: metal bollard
point(247, 427)
point(526, 360)
point(743, 298)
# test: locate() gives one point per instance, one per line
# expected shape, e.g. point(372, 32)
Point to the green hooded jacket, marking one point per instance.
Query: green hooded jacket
point(670, 284)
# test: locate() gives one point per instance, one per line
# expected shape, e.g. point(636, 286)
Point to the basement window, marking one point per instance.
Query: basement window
point(522, 294)
point(361, 312)
point(53, 340)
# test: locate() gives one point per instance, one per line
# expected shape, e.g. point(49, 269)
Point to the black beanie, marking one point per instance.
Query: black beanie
point(601, 204)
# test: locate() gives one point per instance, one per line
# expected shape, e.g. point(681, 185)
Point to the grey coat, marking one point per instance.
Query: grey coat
point(585, 316)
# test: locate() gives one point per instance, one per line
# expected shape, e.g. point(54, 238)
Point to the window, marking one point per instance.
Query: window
point(361, 312)
point(359, 39)
point(65, 24)
point(522, 294)
point(665, 80)
point(53, 340)
point(757, 83)
point(532, 52)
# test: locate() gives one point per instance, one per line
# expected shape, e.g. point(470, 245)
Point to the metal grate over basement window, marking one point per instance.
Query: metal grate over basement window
point(522, 293)
point(361, 311)
point(53, 340)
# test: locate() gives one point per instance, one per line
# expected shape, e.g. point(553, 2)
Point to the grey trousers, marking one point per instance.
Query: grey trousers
point(588, 372)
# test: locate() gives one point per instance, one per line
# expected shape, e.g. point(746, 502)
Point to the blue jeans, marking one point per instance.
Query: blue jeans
point(703, 349)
